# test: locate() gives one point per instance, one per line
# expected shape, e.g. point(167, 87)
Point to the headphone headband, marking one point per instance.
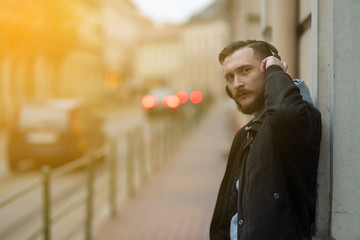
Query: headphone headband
point(271, 48)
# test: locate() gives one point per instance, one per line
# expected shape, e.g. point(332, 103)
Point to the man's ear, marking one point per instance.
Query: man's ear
point(228, 91)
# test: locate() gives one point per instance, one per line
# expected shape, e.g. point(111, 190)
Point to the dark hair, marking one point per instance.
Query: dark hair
point(261, 49)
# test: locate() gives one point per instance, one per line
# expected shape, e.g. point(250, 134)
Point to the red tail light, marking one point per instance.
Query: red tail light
point(196, 97)
point(171, 101)
point(183, 96)
point(149, 101)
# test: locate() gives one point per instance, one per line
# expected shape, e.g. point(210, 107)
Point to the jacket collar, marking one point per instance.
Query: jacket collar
point(255, 124)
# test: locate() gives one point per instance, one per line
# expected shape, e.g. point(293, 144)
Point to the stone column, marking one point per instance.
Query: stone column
point(336, 56)
point(284, 24)
point(321, 92)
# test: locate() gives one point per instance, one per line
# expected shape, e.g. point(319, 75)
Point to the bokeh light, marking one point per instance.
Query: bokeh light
point(149, 101)
point(183, 96)
point(196, 97)
point(171, 101)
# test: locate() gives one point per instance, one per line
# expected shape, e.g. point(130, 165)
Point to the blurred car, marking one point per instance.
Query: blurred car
point(161, 101)
point(52, 133)
point(190, 96)
point(191, 102)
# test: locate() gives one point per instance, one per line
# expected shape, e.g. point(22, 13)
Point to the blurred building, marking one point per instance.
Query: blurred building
point(81, 71)
point(245, 19)
point(81, 49)
point(202, 39)
point(121, 25)
point(285, 24)
point(54, 52)
point(158, 59)
point(184, 57)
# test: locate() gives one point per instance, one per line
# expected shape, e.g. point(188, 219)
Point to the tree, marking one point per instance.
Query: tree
point(34, 29)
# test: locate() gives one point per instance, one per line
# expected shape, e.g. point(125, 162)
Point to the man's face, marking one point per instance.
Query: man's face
point(245, 81)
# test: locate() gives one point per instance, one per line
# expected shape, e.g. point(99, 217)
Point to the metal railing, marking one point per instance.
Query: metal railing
point(144, 156)
point(44, 182)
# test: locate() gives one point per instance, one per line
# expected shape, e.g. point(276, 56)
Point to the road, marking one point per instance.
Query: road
point(21, 217)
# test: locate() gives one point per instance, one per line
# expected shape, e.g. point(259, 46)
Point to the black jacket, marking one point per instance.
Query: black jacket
point(275, 159)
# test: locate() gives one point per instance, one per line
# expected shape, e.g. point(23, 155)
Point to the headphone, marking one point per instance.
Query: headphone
point(270, 47)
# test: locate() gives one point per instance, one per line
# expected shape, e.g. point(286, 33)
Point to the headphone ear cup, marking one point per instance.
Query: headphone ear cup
point(228, 91)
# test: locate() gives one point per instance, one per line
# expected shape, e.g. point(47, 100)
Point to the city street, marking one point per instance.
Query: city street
point(177, 202)
point(85, 154)
point(182, 187)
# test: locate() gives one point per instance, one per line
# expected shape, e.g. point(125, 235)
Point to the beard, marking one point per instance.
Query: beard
point(255, 105)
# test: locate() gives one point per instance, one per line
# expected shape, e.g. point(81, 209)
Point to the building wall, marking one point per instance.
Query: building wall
point(157, 63)
point(187, 59)
point(335, 35)
point(201, 43)
point(321, 60)
point(304, 43)
point(120, 32)
point(5, 95)
point(305, 60)
point(80, 73)
point(246, 20)
point(273, 21)
point(82, 76)
point(344, 54)
point(284, 23)
point(284, 35)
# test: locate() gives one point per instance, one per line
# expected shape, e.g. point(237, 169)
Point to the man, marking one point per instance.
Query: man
point(269, 188)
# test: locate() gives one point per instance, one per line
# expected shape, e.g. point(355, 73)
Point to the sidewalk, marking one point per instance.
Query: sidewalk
point(177, 202)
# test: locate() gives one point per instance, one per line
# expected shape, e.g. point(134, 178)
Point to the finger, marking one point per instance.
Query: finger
point(263, 65)
point(285, 66)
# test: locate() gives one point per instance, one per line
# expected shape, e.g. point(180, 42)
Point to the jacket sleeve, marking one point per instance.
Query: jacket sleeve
point(289, 117)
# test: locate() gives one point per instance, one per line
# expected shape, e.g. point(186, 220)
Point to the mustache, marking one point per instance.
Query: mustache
point(241, 92)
